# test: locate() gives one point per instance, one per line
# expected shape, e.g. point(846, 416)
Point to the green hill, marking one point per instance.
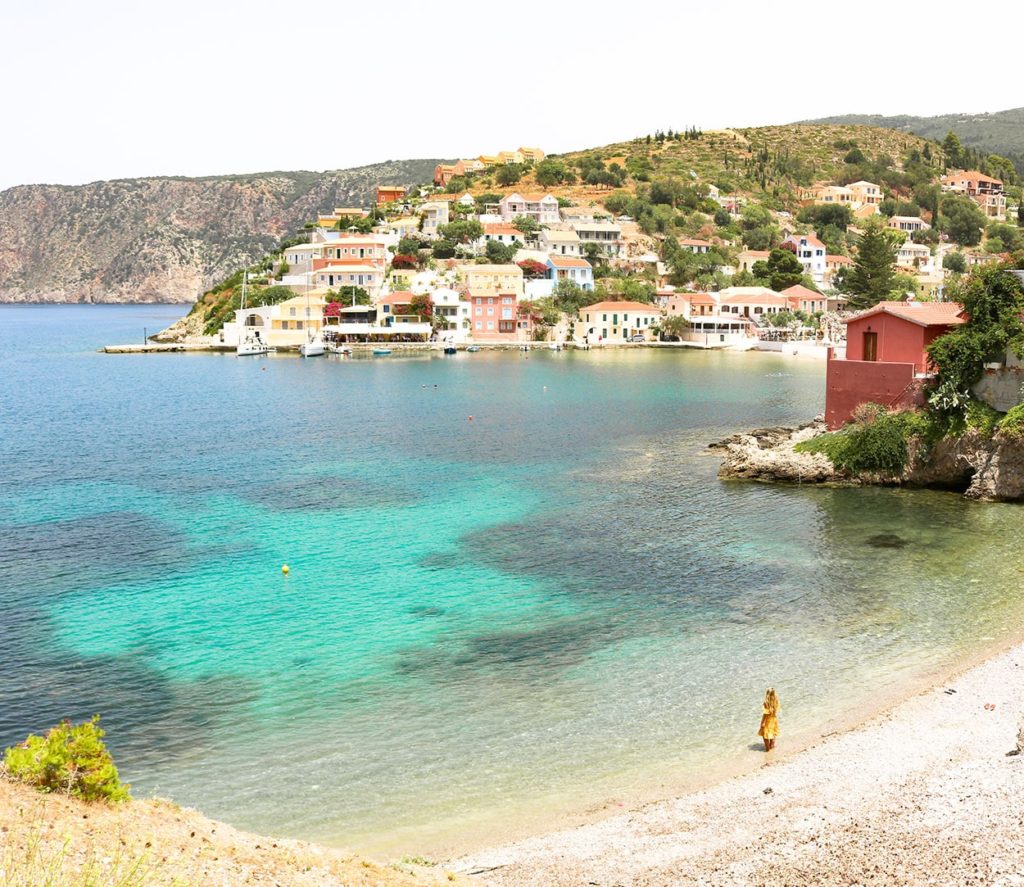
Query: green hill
point(1001, 132)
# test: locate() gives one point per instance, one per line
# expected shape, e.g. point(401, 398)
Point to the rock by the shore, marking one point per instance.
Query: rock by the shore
point(768, 455)
point(982, 466)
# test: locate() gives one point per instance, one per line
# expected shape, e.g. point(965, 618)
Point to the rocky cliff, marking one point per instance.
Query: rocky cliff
point(981, 465)
point(164, 239)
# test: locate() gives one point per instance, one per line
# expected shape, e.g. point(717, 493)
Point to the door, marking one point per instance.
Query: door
point(870, 346)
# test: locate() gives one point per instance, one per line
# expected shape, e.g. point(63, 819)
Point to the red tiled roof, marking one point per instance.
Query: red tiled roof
point(762, 299)
point(922, 313)
point(799, 291)
point(501, 228)
point(568, 262)
point(810, 238)
point(689, 241)
point(621, 306)
point(839, 260)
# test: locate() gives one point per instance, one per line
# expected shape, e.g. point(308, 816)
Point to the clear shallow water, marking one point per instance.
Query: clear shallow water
point(486, 622)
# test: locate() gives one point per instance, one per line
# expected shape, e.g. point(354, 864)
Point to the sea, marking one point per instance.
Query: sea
point(518, 594)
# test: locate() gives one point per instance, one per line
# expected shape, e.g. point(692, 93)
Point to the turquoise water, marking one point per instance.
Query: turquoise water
point(487, 623)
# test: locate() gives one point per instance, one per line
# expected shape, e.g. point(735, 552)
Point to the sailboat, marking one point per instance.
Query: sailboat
point(249, 344)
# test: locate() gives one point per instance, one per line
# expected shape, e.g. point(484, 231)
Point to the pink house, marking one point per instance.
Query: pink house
point(886, 356)
point(493, 316)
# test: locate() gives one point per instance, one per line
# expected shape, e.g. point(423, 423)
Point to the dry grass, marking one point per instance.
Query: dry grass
point(55, 841)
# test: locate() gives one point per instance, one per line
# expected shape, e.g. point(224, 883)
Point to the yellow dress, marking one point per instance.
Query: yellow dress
point(769, 722)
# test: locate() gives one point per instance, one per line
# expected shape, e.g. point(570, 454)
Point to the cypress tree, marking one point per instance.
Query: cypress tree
point(870, 280)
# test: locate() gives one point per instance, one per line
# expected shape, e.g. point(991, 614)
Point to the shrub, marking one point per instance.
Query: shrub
point(876, 441)
point(1012, 424)
point(71, 759)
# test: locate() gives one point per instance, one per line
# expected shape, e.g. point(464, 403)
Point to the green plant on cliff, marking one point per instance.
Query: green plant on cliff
point(877, 441)
point(993, 302)
point(1012, 424)
point(70, 758)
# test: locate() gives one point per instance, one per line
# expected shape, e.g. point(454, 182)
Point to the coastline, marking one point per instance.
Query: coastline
point(917, 790)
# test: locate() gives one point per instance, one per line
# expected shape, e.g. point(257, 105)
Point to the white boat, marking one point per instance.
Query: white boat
point(312, 348)
point(250, 344)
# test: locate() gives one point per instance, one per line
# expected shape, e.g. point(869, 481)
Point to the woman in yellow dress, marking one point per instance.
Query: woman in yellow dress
point(769, 719)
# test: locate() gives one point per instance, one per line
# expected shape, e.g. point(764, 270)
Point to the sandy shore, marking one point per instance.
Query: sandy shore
point(924, 794)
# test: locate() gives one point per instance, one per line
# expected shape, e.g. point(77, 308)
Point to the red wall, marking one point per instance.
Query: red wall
point(849, 383)
point(899, 340)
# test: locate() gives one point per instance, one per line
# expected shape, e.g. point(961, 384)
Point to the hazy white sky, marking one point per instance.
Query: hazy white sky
point(107, 89)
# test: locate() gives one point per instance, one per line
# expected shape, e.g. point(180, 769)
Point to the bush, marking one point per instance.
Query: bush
point(876, 441)
point(70, 759)
point(1012, 424)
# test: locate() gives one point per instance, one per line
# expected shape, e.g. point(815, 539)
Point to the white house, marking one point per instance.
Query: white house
point(615, 322)
point(909, 224)
point(560, 242)
point(812, 255)
point(605, 233)
point(543, 208)
point(916, 256)
point(434, 214)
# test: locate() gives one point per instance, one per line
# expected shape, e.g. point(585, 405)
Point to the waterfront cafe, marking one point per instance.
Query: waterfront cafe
point(717, 330)
point(359, 323)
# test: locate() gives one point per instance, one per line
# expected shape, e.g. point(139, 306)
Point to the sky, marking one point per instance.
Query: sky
point(109, 89)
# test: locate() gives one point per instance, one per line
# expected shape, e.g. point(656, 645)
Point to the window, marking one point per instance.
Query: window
point(298, 324)
point(506, 313)
point(291, 312)
point(479, 325)
point(479, 301)
point(490, 312)
point(490, 301)
point(490, 324)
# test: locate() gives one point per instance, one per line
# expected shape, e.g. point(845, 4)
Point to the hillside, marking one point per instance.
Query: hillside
point(164, 239)
point(768, 164)
point(57, 840)
point(1001, 132)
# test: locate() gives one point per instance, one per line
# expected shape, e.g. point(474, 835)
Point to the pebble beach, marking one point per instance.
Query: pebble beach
point(923, 794)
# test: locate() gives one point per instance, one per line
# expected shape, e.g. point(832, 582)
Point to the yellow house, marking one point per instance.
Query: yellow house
point(511, 156)
point(401, 278)
point(605, 322)
point(492, 278)
point(534, 155)
point(295, 321)
point(489, 159)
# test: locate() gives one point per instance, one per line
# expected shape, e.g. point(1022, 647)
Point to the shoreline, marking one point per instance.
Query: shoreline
point(881, 775)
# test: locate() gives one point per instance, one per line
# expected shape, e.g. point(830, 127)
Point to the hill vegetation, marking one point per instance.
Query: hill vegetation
point(1001, 132)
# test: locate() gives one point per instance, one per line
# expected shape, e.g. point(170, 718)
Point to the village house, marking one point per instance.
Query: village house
point(434, 214)
point(984, 190)
point(389, 193)
point(606, 234)
point(445, 172)
point(688, 305)
point(613, 322)
point(295, 321)
point(695, 246)
point(832, 266)
point(332, 276)
point(532, 155)
point(909, 224)
point(865, 194)
point(886, 358)
point(560, 241)
point(803, 299)
point(542, 208)
point(856, 195)
point(571, 268)
point(356, 247)
point(811, 252)
point(484, 279)
point(494, 315)
point(745, 260)
point(751, 301)
point(501, 232)
point(915, 257)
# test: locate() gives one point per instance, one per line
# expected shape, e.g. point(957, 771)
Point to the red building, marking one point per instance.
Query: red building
point(886, 358)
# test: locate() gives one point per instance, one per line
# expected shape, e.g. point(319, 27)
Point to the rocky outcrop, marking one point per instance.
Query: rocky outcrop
point(982, 466)
point(768, 455)
point(164, 239)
